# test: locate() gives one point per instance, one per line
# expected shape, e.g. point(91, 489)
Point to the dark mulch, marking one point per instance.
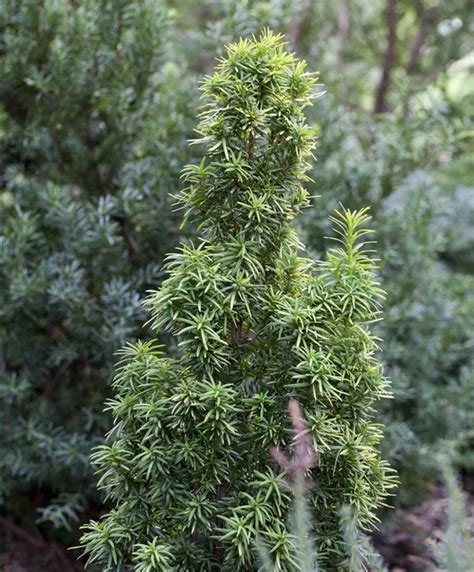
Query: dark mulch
point(26, 550)
point(405, 546)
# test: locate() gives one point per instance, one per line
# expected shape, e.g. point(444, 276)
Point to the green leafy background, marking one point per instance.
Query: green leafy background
point(98, 100)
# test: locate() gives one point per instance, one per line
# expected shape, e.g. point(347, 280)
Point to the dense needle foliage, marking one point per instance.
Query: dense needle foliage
point(428, 326)
point(187, 467)
point(97, 99)
point(94, 117)
point(401, 146)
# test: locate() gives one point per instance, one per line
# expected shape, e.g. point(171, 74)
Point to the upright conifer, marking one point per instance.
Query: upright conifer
point(187, 466)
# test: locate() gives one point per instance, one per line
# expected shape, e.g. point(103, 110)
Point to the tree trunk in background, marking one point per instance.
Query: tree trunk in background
point(428, 17)
point(389, 57)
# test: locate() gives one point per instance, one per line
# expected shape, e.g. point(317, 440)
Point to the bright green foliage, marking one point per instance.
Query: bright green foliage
point(412, 165)
point(359, 552)
point(207, 31)
point(423, 223)
point(424, 138)
point(94, 125)
point(187, 466)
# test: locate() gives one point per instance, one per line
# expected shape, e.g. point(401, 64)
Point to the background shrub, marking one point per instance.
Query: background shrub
point(95, 112)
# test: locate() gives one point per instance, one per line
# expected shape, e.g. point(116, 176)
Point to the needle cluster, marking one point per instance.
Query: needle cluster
point(187, 466)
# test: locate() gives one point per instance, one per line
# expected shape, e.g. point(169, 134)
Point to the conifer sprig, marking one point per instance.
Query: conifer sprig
point(187, 467)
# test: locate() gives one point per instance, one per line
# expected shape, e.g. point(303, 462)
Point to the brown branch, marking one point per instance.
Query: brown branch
point(237, 334)
point(294, 33)
point(389, 57)
point(343, 27)
point(132, 244)
point(427, 19)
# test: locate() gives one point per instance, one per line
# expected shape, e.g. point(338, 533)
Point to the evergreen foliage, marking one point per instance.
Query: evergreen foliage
point(359, 552)
point(186, 465)
point(94, 114)
point(420, 145)
point(428, 346)
point(410, 164)
point(455, 552)
point(428, 323)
